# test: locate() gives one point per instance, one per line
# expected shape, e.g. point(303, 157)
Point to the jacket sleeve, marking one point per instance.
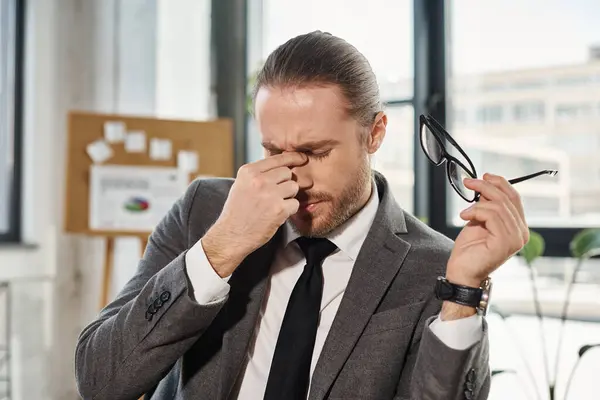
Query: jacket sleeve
point(434, 371)
point(152, 322)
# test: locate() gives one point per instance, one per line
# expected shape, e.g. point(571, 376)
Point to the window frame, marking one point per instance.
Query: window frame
point(13, 235)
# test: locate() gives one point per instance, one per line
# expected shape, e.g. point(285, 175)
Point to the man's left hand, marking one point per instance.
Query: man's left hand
point(496, 230)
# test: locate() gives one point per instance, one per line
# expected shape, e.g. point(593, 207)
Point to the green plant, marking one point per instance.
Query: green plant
point(585, 244)
point(532, 250)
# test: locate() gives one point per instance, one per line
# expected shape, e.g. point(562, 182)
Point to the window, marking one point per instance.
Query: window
point(11, 28)
point(488, 114)
point(395, 157)
point(388, 48)
point(538, 126)
point(568, 112)
point(530, 111)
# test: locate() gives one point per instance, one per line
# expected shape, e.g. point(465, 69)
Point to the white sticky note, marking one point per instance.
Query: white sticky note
point(187, 161)
point(99, 151)
point(135, 142)
point(114, 131)
point(160, 149)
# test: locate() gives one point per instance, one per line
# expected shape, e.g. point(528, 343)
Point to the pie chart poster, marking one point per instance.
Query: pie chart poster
point(135, 199)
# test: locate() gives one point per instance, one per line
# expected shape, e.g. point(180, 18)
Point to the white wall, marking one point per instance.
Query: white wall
point(124, 56)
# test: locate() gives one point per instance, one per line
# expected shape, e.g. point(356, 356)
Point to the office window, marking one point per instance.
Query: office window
point(10, 72)
point(534, 43)
point(568, 112)
point(528, 111)
point(383, 31)
point(395, 158)
point(489, 114)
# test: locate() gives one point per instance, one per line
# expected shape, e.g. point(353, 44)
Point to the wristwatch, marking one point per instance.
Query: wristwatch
point(477, 298)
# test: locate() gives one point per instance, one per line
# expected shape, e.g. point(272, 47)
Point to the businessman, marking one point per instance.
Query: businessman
point(302, 277)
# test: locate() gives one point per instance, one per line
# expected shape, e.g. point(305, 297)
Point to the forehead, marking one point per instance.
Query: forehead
point(288, 116)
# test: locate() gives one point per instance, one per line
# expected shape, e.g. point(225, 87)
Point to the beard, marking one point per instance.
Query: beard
point(338, 209)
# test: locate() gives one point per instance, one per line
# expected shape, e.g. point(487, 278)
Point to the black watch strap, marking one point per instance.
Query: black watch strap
point(459, 294)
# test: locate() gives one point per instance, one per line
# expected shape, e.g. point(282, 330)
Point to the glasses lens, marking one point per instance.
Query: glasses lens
point(432, 148)
point(457, 175)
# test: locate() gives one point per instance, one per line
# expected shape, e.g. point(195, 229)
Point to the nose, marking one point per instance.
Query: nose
point(302, 176)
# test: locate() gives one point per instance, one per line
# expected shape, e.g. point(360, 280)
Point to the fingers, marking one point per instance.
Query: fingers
point(482, 212)
point(497, 189)
point(288, 189)
point(291, 206)
point(494, 218)
point(278, 175)
point(286, 159)
point(508, 189)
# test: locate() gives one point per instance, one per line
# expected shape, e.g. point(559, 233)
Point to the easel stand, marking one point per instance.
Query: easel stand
point(109, 259)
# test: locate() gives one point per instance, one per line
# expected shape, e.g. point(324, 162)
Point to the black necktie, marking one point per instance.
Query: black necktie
point(290, 370)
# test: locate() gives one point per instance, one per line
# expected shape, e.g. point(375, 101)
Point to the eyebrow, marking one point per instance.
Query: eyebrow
point(306, 146)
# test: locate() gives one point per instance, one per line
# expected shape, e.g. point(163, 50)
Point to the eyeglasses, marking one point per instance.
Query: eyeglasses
point(433, 136)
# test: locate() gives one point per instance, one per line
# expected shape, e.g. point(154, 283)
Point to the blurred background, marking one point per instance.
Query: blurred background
point(517, 84)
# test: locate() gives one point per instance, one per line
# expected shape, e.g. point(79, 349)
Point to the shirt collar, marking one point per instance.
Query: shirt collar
point(349, 236)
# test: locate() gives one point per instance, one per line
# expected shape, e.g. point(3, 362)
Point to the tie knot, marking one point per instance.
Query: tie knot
point(315, 249)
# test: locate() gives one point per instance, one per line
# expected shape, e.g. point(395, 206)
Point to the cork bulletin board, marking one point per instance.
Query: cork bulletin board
point(97, 140)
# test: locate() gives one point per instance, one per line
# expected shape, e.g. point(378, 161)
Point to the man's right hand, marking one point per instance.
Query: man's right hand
point(261, 199)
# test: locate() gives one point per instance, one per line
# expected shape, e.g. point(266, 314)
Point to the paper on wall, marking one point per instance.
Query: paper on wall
point(187, 161)
point(132, 199)
point(135, 142)
point(99, 151)
point(114, 131)
point(160, 149)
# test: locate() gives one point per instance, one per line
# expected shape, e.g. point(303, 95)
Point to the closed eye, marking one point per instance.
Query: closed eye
point(318, 156)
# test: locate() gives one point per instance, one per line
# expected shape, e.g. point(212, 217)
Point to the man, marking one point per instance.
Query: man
point(303, 277)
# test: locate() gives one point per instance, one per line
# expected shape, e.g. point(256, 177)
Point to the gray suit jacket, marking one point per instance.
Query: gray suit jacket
point(154, 339)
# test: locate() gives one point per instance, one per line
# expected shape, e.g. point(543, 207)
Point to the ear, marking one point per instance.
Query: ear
point(377, 133)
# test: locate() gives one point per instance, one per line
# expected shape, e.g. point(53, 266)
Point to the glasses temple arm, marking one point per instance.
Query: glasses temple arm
point(534, 175)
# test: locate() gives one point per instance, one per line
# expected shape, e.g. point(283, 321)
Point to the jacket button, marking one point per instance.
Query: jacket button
point(149, 315)
point(157, 303)
point(471, 375)
point(469, 395)
point(165, 296)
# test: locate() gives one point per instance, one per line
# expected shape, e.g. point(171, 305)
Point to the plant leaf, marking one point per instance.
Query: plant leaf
point(586, 243)
point(534, 248)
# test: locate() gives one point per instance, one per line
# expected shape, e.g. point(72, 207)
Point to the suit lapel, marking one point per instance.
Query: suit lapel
point(248, 285)
point(378, 263)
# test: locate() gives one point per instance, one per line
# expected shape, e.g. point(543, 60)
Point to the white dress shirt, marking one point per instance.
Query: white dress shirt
point(286, 269)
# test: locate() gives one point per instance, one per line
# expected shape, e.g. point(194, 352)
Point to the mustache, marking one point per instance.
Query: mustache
point(312, 197)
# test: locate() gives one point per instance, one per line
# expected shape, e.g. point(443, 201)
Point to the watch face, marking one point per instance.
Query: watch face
point(444, 289)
